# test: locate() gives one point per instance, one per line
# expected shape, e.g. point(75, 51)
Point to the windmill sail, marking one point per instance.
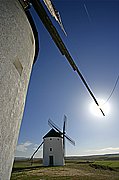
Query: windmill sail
point(64, 131)
point(71, 141)
point(64, 125)
point(60, 44)
point(53, 125)
point(54, 13)
point(36, 151)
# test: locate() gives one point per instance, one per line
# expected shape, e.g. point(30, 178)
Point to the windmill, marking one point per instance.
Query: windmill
point(63, 132)
point(54, 145)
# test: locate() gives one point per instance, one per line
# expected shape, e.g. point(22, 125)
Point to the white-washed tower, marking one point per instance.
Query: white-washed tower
point(17, 50)
point(53, 153)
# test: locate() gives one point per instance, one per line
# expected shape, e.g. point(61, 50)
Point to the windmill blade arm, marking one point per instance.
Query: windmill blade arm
point(51, 9)
point(70, 140)
point(54, 13)
point(36, 151)
point(60, 44)
point(53, 125)
point(64, 125)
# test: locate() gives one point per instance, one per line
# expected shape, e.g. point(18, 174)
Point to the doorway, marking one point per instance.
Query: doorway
point(51, 163)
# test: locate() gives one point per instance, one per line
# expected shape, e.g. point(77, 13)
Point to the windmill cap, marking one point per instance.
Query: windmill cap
point(52, 133)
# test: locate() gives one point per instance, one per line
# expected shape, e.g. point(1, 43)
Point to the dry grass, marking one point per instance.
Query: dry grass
point(71, 171)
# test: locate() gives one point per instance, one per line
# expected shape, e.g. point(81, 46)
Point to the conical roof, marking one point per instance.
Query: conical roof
point(52, 133)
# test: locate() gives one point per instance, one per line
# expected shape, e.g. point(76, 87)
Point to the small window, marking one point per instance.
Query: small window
point(50, 149)
point(18, 66)
point(58, 139)
point(50, 138)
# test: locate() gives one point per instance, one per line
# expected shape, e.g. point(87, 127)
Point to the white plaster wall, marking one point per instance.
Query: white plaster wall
point(56, 144)
point(17, 49)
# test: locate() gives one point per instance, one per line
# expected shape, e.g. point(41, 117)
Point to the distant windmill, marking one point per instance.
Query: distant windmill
point(54, 145)
point(63, 132)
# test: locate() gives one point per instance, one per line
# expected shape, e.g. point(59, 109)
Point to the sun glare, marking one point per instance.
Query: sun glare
point(96, 111)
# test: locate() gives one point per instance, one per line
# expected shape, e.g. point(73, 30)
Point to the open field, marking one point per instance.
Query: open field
point(75, 169)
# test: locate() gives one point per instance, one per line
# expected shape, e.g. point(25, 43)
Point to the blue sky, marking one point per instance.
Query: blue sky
point(55, 89)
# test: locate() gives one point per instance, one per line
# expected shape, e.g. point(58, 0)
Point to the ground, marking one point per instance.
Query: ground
point(73, 170)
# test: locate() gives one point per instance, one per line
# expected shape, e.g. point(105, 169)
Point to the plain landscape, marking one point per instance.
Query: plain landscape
point(102, 167)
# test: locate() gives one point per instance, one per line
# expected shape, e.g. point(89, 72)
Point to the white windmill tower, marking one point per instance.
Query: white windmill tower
point(53, 149)
point(54, 145)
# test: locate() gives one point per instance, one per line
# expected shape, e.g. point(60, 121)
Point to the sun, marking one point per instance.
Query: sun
point(104, 106)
